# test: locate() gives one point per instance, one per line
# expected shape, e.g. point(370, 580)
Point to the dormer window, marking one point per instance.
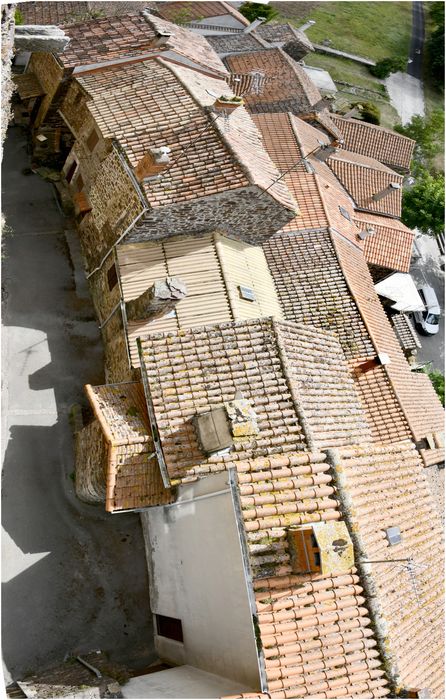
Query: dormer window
point(321, 548)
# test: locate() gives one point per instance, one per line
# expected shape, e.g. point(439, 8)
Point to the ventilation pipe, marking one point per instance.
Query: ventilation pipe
point(392, 187)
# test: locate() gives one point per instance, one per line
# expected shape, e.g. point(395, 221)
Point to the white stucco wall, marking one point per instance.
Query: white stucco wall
point(196, 575)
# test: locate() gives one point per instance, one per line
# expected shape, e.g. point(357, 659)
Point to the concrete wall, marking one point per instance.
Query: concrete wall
point(196, 575)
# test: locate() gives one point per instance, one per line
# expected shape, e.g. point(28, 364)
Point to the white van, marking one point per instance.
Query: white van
point(427, 321)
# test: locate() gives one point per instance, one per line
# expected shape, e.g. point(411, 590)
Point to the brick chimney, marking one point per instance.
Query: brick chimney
point(386, 191)
point(153, 162)
point(381, 359)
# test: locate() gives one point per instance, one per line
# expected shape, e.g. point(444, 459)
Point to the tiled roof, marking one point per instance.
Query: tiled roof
point(405, 332)
point(415, 393)
point(314, 631)
point(153, 103)
point(387, 487)
point(212, 267)
point(391, 244)
point(104, 39)
point(312, 288)
point(28, 86)
point(236, 43)
point(287, 87)
point(376, 141)
point(188, 11)
point(295, 377)
point(275, 33)
point(133, 478)
point(58, 13)
point(324, 119)
point(322, 200)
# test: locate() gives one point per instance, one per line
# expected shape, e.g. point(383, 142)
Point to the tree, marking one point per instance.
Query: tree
point(387, 66)
point(426, 131)
point(423, 204)
point(435, 44)
point(437, 380)
point(253, 10)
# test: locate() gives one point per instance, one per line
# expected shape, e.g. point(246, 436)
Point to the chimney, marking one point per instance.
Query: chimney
point(162, 38)
point(325, 151)
point(154, 162)
point(386, 191)
point(253, 25)
point(381, 359)
point(158, 300)
point(369, 231)
point(355, 112)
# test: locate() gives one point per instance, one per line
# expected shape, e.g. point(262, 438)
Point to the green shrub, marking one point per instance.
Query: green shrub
point(437, 380)
point(369, 112)
point(18, 17)
point(253, 10)
point(387, 66)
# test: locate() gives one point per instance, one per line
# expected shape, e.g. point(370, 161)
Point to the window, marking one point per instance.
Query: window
point(247, 293)
point(92, 140)
point(71, 171)
point(169, 627)
point(112, 277)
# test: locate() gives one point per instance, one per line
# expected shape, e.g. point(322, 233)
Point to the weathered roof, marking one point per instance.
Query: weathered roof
point(154, 103)
point(107, 38)
point(287, 87)
point(57, 13)
point(184, 12)
point(28, 86)
point(284, 370)
point(275, 33)
point(376, 141)
point(415, 393)
point(323, 202)
point(391, 244)
point(364, 177)
point(240, 42)
point(212, 267)
point(387, 487)
point(133, 478)
point(324, 119)
point(405, 332)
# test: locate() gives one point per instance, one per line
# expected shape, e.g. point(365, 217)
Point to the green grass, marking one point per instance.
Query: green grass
point(433, 97)
point(374, 30)
point(372, 90)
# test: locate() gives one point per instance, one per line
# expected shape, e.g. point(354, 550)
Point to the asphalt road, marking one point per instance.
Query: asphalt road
point(73, 578)
point(417, 40)
point(427, 270)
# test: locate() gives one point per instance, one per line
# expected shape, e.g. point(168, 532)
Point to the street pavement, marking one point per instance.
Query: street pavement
point(73, 578)
point(426, 269)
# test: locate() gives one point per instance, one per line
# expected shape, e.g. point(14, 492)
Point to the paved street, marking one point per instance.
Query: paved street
point(74, 578)
point(427, 270)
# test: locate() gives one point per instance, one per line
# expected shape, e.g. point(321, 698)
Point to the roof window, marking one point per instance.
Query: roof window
point(247, 293)
point(393, 535)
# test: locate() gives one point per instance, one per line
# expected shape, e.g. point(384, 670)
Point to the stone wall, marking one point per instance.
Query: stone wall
point(74, 107)
point(104, 298)
point(115, 352)
point(115, 204)
point(50, 75)
point(246, 214)
point(91, 451)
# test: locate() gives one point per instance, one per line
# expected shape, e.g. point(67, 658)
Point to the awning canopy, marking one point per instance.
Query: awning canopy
point(400, 288)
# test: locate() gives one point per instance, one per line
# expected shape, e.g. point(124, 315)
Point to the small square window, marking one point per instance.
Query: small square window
point(345, 213)
point(92, 140)
point(247, 293)
point(169, 627)
point(112, 277)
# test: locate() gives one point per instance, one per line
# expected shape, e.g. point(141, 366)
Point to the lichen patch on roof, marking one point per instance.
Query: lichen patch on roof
point(183, 12)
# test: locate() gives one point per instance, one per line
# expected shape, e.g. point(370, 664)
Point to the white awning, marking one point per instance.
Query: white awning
point(400, 288)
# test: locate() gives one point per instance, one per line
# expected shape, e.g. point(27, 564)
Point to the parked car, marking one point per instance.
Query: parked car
point(427, 321)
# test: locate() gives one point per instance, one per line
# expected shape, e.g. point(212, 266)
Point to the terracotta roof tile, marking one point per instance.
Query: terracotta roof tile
point(405, 332)
point(387, 486)
point(364, 177)
point(240, 42)
point(104, 39)
point(284, 34)
point(324, 119)
point(416, 396)
point(287, 87)
point(58, 13)
point(391, 244)
point(188, 11)
point(133, 478)
point(154, 103)
point(376, 141)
